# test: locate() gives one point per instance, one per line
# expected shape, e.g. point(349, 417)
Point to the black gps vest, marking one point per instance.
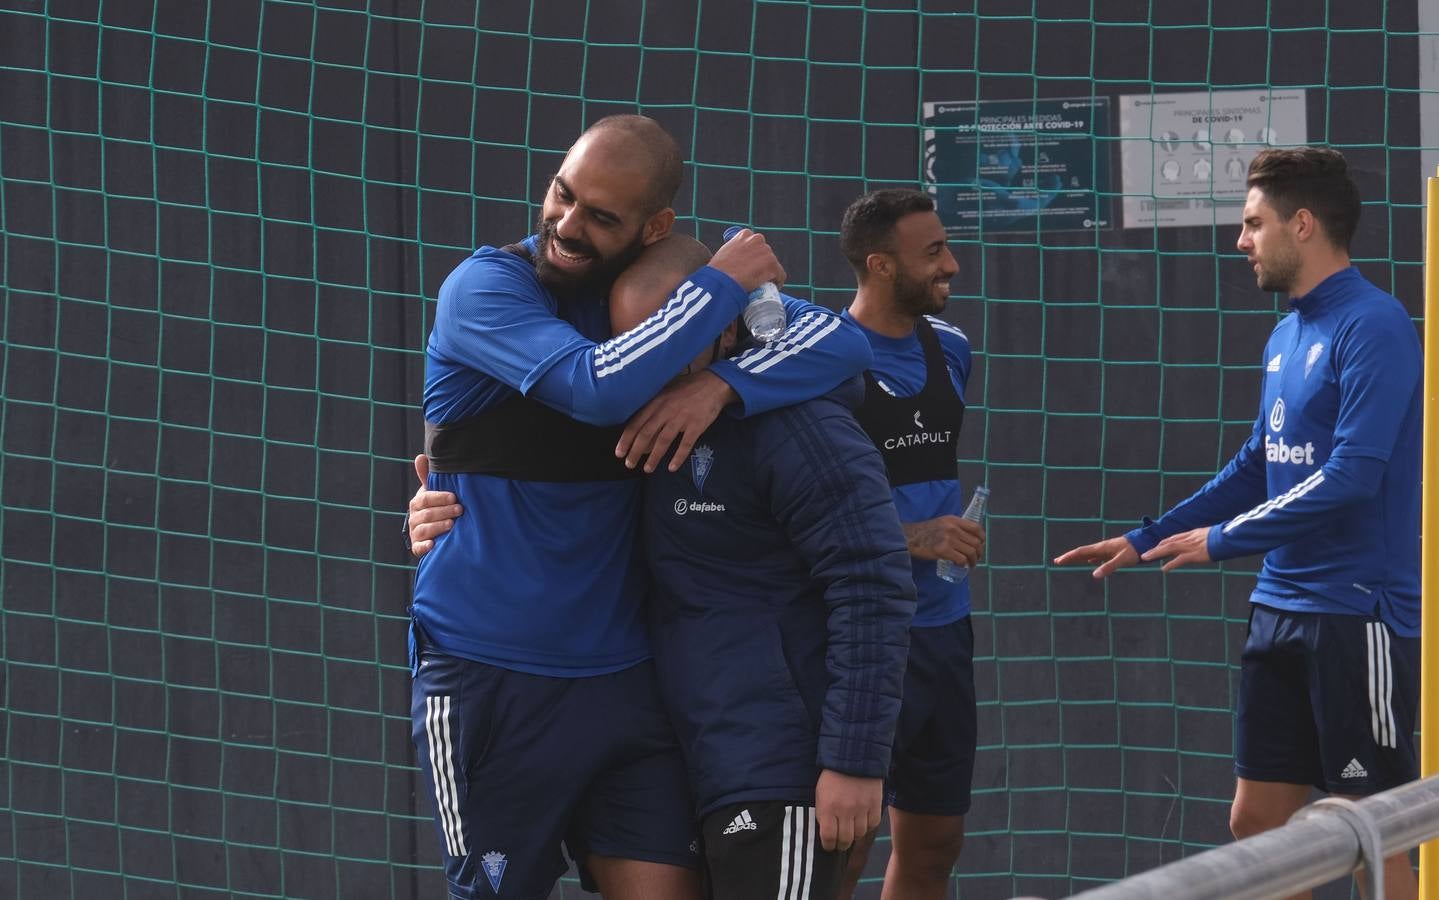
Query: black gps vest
point(916, 435)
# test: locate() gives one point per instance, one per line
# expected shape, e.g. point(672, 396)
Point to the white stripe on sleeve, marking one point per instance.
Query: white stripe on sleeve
point(616, 353)
point(610, 350)
point(796, 331)
point(1283, 500)
point(777, 351)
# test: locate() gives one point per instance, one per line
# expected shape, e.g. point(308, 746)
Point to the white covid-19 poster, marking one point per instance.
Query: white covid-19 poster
point(1184, 157)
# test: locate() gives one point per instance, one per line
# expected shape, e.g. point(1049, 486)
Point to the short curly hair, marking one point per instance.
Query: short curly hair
point(868, 223)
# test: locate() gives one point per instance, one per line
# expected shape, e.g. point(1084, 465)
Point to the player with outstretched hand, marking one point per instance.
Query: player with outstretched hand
point(536, 714)
point(1326, 487)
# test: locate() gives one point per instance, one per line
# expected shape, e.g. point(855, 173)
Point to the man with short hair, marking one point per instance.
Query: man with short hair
point(1326, 487)
point(779, 619)
point(536, 716)
point(912, 411)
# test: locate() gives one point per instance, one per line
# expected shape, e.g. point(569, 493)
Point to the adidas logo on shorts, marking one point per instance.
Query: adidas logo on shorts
point(1353, 770)
point(742, 822)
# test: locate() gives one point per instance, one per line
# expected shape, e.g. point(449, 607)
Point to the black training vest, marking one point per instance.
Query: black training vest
point(525, 440)
point(916, 435)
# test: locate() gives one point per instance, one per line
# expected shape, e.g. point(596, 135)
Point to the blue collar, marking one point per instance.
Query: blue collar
point(1332, 289)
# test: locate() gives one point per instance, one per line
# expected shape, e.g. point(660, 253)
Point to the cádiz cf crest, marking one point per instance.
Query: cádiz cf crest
point(701, 461)
point(494, 863)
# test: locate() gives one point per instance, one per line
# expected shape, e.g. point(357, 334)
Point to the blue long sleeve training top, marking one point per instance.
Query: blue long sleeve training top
point(1327, 485)
point(544, 577)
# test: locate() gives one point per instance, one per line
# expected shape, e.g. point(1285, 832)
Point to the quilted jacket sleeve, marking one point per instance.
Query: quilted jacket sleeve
point(828, 488)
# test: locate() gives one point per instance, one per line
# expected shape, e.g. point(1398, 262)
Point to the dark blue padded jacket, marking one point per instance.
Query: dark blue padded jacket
point(782, 602)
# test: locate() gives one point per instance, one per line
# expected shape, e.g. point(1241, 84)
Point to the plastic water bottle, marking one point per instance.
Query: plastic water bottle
point(764, 315)
point(953, 572)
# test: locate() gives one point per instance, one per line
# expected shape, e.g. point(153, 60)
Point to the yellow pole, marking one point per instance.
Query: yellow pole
point(1429, 554)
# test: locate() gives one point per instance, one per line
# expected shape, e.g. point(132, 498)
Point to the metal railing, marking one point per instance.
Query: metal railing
point(1323, 842)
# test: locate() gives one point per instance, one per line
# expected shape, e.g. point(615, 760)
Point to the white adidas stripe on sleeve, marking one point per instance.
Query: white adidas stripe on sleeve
point(811, 329)
point(1283, 500)
point(610, 350)
point(614, 354)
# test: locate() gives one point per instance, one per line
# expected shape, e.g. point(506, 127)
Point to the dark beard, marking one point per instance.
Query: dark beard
point(1278, 276)
point(602, 272)
point(915, 297)
point(1279, 280)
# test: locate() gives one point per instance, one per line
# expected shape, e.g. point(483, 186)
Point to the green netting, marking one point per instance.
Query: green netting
point(222, 223)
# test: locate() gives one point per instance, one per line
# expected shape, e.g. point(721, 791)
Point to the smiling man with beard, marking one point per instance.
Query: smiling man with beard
point(535, 712)
point(912, 412)
point(570, 264)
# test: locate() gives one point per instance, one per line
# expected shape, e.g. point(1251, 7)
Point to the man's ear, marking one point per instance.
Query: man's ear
point(726, 341)
point(658, 225)
point(1305, 226)
point(880, 264)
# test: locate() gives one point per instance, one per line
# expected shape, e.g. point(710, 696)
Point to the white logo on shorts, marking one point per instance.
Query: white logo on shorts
point(742, 822)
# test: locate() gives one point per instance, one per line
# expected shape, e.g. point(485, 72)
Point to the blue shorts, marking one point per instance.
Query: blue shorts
point(1328, 700)
point(933, 760)
point(518, 764)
